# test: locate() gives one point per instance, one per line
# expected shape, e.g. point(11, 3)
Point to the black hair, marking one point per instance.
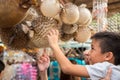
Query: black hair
point(109, 42)
point(2, 66)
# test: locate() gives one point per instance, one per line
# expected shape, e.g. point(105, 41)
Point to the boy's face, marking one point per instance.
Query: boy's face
point(95, 52)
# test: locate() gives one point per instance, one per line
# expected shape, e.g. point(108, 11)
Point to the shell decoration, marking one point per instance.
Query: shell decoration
point(69, 29)
point(31, 31)
point(85, 17)
point(82, 34)
point(31, 14)
point(70, 13)
point(50, 8)
point(66, 37)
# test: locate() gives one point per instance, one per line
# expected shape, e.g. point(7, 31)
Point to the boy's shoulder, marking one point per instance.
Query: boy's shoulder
point(104, 65)
point(99, 70)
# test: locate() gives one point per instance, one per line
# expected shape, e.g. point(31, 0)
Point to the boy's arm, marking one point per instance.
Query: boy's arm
point(65, 64)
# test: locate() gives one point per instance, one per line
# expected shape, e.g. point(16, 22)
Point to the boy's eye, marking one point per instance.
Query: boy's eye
point(92, 48)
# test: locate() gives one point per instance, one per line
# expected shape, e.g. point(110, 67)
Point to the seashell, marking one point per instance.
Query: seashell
point(69, 29)
point(82, 34)
point(70, 13)
point(11, 13)
point(31, 14)
point(66, 37)
point(50, 8)
point(85, 16)
point(93, 31)
point(57, 17)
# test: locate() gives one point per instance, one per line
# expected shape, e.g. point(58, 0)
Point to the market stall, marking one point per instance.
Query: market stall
point(24, 26)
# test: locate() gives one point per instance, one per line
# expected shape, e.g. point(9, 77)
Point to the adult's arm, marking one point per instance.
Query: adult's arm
point(43, 64)
point(108, 76)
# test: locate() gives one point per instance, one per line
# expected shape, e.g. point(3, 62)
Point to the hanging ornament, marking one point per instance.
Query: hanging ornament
point(85, 16)
point(82, 34)
point(100, 13)
point(70, 13)
point(50, 8)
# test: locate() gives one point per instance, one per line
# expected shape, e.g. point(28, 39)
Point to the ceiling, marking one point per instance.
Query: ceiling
point(113, 5)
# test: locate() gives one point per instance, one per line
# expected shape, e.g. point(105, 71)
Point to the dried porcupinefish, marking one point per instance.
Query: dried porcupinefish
point(41, 26)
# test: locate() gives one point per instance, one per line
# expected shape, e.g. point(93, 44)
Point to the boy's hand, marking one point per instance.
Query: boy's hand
point(53, 38)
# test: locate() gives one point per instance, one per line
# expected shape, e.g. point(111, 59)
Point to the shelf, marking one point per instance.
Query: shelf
point(74, 44)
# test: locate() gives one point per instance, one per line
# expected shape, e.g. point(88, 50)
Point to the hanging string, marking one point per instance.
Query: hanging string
point(100, 13)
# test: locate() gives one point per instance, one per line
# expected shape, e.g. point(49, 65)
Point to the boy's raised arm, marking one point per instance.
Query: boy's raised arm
point(66, 66)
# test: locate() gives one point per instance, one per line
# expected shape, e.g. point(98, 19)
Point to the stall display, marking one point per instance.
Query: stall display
point(13, 12)
point(32, 30)
point(27, 29)
point(19, 66)
point(100, 9)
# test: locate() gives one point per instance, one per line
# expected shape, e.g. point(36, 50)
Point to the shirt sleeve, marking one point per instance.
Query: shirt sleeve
point(98, 70)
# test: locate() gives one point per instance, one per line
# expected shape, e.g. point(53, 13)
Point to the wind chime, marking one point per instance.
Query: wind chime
point(100, 13)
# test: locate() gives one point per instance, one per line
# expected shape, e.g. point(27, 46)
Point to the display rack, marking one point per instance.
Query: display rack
point(75, 44)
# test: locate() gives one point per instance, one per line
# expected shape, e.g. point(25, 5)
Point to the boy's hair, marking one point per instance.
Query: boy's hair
point(109, 42)
point(2, 66)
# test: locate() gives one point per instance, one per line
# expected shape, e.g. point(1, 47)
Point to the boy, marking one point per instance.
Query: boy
point(104, 53)
point(43, 64)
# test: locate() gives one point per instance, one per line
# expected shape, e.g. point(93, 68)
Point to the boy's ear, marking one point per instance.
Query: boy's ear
point(108, 56)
